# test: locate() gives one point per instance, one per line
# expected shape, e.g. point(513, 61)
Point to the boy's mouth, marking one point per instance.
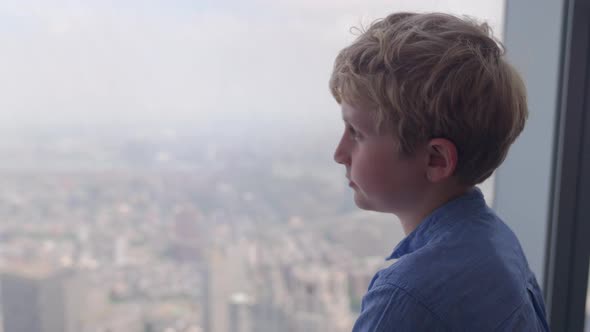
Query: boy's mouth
point(350, 183)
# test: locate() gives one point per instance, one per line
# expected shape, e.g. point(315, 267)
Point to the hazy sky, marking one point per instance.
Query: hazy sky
point(155, 61)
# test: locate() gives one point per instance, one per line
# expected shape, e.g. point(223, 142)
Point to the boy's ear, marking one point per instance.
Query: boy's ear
point(442, 159)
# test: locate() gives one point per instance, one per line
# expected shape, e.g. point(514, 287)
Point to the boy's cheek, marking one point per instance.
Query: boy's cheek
point(368, 179)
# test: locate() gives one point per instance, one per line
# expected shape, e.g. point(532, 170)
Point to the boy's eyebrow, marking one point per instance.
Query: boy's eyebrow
point(347, 122)
point(346, 119)
point(350, 122)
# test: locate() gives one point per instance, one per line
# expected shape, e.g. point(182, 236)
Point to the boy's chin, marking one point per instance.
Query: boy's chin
point(362, 202)
point(365, 204)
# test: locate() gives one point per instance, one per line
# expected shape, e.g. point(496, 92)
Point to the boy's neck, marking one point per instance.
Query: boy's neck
point(432, 201)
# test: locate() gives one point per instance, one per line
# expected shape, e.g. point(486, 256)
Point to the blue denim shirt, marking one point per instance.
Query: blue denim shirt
point(461, 269)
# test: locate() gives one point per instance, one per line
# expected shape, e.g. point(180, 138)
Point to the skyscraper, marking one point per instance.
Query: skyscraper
point(37, 298)
point(240, 313)
point(216, 284)
point(224, 275)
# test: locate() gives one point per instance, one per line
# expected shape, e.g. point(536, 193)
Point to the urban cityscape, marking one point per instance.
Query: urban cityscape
point(167, 165)
point(165, 231)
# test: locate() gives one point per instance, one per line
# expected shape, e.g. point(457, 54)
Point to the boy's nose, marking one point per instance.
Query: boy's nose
point(341, 155)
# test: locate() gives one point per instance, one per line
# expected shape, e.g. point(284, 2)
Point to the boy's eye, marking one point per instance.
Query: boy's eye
point(353, 133)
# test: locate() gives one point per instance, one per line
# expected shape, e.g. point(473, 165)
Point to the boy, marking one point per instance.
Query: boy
point(431, 108)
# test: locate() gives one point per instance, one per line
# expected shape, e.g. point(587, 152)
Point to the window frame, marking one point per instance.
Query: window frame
point(568, 249)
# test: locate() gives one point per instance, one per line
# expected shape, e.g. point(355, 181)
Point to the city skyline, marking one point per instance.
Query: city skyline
point(177, 158)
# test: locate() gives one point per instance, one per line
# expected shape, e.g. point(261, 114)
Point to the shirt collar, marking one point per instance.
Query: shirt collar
point(441, 218)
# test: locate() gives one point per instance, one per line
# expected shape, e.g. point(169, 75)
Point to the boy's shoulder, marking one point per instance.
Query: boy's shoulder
point(471, 267)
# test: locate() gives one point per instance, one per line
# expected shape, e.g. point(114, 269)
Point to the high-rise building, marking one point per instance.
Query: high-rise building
point(37, 298)
point(216, 289)
point(240, 313)
point(224, 275)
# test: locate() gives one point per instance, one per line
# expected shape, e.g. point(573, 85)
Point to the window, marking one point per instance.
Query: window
point(167, 166)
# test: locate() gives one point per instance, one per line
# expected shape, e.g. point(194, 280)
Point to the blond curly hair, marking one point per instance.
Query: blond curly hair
point(436, 76)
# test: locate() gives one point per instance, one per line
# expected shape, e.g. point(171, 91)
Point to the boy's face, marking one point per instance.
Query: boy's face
point(383, 179)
